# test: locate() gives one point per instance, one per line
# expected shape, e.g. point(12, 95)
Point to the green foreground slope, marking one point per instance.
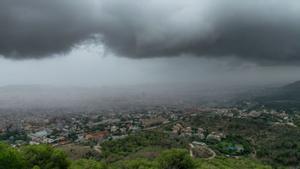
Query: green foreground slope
point(46, 157)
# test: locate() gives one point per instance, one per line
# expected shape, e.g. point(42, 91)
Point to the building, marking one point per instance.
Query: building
point(38, 136)
point(215, 137)
point(98, 136)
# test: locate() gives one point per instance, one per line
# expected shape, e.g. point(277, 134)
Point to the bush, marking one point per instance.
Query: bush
point(10, 158)
point(117, 149)
point(176, 159)
point(45, 157)
point(87, 164)
point(137, 164)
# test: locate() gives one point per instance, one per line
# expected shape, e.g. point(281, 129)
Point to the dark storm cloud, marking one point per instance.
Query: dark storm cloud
point(39, 28)
point(262, 31)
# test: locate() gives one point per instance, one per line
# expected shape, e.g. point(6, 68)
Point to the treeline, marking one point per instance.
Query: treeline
point(32, 157)
point(47, 157)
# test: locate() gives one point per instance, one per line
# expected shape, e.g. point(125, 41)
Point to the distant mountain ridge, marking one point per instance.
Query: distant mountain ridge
point(292, 86)
point(287, 97)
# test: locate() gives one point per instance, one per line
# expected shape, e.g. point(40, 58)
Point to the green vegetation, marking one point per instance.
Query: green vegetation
point(234, 145)
point(13, 136)
point(180, 159)
point(176, 158)
point(230, 163)
point(46, 157)
point(135, 164)
point(10, 158)
point(87, 164)
point(259, 142)
point(297, 121)
point(76, 151)
point(117, 149)
point(32, 157)
point(169, 159)
point(277, 145)
point(281, 148)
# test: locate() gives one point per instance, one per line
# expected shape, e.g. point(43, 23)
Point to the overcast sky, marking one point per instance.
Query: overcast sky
point(128, 42)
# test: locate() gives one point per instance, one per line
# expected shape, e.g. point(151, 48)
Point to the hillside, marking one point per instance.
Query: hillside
point(292, 86)
point(285, 97)
point(46, 157)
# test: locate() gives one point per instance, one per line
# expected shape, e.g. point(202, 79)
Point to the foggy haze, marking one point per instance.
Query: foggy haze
point(91, 68)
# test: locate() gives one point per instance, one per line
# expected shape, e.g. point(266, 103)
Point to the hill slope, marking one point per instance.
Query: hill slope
point(287, 97)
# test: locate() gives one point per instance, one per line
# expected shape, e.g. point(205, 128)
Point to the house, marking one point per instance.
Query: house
point(38, 136)
point(114, 129)
point(177, 128)
point(187, 131)
point(98, 136)
point(215, 137)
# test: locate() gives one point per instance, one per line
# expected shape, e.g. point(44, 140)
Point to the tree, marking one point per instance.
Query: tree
point(176, 159)
point(87, 164)
point(10, 158)
point(138, 164)
point(45, 157)
point(73, 136)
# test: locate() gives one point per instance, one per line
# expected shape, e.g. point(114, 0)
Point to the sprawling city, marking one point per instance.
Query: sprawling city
point(243, 133)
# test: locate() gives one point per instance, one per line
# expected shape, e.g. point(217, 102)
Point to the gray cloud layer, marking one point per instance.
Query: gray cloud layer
point(262, 31)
